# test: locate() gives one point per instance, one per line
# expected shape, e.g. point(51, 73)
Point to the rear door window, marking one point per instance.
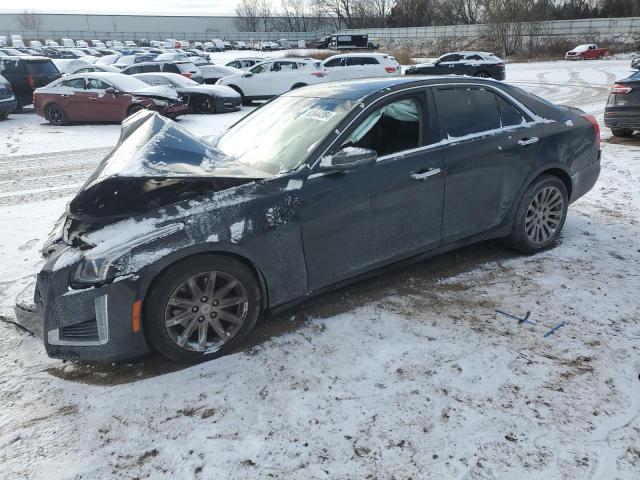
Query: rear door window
point(465, 111)
point(76, 84)
point(454, 57)
point(95, 84)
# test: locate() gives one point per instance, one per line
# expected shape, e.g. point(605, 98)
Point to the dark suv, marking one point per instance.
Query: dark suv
point(185, 68)
point(25, 74)
point(622, 113)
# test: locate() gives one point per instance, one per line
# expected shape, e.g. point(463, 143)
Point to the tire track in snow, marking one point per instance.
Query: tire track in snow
point(32, 178)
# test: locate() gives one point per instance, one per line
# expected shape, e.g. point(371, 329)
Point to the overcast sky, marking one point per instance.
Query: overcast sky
point(149, 7)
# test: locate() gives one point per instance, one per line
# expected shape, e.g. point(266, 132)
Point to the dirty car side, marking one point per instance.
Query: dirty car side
point(300, 232)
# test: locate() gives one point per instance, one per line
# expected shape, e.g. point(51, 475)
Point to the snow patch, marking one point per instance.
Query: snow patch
point(294, 185)
point(237, 231)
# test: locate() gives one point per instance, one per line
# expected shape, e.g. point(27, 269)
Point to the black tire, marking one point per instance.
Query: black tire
point(133, 109)
point(204, 104)
point(298, 85)
point(56, 115)
point(245, 101)
point(172, 283)
point(482, 74)
point(3, 115)
point(531, 220)
point(622, 132)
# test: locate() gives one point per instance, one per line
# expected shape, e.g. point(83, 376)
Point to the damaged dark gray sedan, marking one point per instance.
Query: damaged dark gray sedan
point(179, 244)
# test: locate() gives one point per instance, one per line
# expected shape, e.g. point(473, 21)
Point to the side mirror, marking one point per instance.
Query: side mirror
point(349, 158)
point(111, 91)
point(248, 74)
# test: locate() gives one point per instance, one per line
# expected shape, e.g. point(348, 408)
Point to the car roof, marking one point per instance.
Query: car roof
point(24, 57)
point(362, 54)
point(468, 52)
point(355, 90)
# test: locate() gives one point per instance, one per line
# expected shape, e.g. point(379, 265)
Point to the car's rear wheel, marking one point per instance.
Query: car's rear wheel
point(482, 74)
point(622, 132)
point(202, 308)
point(133, 109)
point(3, 115)
point(298, 85)
point(540, 215)
point(204, 104)
point(56, 115)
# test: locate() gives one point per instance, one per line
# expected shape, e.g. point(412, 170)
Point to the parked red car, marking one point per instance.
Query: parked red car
point(103, 97)
point(588, 51)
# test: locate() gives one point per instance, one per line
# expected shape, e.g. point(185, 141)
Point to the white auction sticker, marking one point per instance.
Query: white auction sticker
point(320, 115)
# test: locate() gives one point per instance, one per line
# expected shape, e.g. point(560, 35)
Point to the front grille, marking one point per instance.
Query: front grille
point(81, 332)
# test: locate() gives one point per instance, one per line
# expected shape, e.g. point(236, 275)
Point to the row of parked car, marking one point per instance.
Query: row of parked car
point(213, 45)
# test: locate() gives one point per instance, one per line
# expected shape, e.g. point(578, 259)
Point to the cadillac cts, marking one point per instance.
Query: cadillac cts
point(179, 244)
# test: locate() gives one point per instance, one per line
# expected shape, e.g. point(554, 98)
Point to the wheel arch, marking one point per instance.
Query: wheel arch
point(159, 268)
point(299, 85)
point(561, 174)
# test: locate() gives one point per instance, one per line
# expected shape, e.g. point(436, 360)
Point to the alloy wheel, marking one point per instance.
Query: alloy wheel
point(206, 311)
point(544, 215)
point(204, 105)
point(55, 115)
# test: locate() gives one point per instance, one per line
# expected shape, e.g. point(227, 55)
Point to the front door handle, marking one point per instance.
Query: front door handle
point(528, 141)
point(422, 175)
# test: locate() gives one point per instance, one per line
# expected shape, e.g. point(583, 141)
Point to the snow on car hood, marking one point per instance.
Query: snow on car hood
point(156, 162)
point(157, 91)
point(218, 90)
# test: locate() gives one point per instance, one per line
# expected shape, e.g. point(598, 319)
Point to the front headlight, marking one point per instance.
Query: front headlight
point(160, 103)
point(95, 266)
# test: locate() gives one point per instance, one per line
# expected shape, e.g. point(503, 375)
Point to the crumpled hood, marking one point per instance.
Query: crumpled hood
point(156, 162)
point(159, 91)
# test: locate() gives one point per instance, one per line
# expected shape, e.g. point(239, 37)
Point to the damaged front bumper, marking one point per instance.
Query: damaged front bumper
point(94, 324)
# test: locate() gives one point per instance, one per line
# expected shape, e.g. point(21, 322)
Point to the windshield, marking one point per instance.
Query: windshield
point(279, 136)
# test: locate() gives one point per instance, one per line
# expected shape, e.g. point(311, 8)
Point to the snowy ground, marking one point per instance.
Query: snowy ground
point(411, 375)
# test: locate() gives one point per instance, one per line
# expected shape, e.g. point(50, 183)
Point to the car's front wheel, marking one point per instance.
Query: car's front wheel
point(540, 215)
point(56, 115)
point(205, 104)
point(201, 308)
point(482, 74)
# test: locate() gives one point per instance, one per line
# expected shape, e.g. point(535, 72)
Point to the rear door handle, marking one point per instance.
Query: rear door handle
point(528, 141)
point(426, 174)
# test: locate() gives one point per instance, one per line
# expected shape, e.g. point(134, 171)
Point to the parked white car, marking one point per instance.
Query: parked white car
point(348, 66)
point(246, 63)
point(69, 66)
point(274, 77)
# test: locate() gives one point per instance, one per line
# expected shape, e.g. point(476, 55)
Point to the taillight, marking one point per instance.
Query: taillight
point(619, 89)
point(596, 126)
point(318, 74)
point(390, 69)
point(30, 81)
point(187, 74)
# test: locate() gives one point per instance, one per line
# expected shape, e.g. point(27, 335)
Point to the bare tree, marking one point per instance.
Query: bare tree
point(30, 21)
point(505, 30)
point(247, 15)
